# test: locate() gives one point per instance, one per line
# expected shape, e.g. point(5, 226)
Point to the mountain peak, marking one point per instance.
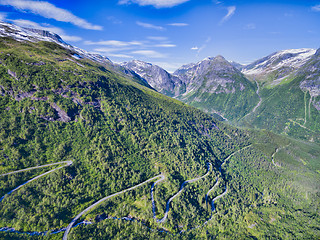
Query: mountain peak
point(157, 77)
point(220, 58)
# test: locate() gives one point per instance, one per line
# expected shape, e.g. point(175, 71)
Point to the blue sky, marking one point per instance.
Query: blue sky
point(171, 33)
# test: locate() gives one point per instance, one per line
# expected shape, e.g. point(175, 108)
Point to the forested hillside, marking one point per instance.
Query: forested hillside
point(289, 102)
point(108, 133)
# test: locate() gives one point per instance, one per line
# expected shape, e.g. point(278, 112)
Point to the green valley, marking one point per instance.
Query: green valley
point(111, 137)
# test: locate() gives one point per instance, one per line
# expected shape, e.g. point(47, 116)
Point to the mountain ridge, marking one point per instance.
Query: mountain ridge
point(114, 136)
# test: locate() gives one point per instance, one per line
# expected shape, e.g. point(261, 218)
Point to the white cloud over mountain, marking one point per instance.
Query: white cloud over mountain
point(48, 10)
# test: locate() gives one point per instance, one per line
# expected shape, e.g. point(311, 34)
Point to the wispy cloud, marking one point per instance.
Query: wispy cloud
point(113, 52)
point(316, 8)
point(155, 3)
point(157, 38)
point(203, 46)
point(231, 11)
point(165, 45)
point(29, 24)
point(150, 26)
point(149, 53)
point(178, 24)
point(114, 43)
point(133, 49)
point(48, 10)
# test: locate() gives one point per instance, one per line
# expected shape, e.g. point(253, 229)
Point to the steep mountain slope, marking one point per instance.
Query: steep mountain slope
point(157, 77)
point(215, 86)
point(83, 132)
point(292, 107)
point(36, 35)
point(277, 67)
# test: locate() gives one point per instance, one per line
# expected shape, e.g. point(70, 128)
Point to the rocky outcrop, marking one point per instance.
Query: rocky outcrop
point(157, 77)
point(212, 75)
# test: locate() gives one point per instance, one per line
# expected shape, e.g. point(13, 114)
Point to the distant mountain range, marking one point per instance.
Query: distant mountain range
point(280, 92)
point(89, 149)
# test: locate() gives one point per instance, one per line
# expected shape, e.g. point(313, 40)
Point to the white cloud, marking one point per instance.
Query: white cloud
point(178, 24)
point(109, 50)
point(149, 25)
point(68, 38)
point(203, 46)
point(316, 8)
point(29, 24)
point(155, 3)
point(149, 53)
point(114, 43)
point(155, 38)
point(165, 45)
point(119, 55)
point(113, 52)
point(48, 10)
point(231, 11)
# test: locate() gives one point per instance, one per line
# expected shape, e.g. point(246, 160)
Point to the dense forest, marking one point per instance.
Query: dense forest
point(118, 133)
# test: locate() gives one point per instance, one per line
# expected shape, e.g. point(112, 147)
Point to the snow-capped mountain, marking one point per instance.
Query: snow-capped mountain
point(37, 35)
point(278, 66)
point(157, 77)
point(208, 84)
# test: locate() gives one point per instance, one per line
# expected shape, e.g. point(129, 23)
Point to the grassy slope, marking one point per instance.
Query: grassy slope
point(284, 107)
point(122, 134)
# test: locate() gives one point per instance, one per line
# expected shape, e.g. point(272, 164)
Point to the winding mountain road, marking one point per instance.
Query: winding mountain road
point(231, 155)
point(174, 196)
point(65, 236)
point(161, 176)
point(216, 184)
point(216, 198)
point(67, 163)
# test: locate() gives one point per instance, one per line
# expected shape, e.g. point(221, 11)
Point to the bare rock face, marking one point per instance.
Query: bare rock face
point(212, 75)
point(208, 84)
point(157, 77)
point(310, 73)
